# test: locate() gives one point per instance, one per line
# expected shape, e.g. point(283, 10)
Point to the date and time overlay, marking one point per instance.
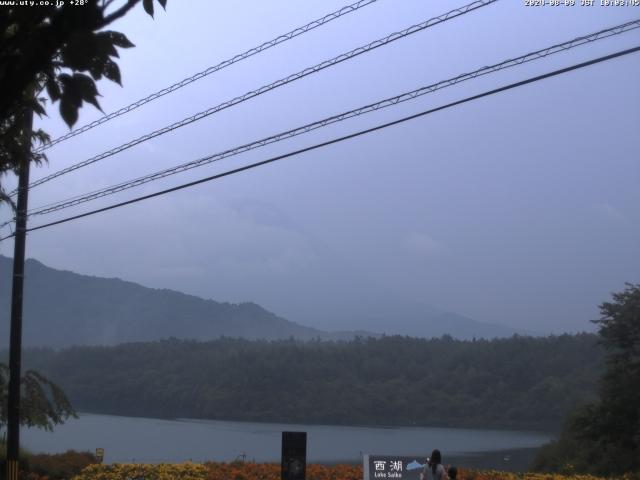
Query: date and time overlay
point(581, 3)
point(526, 3)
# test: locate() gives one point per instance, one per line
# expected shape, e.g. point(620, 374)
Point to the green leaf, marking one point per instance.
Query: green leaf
point(80, 50)
point(84, 84)
point(37, 107)
point(70, 92)
point(68, 111)
point(86, 88)
point(53, 89)
point(119, 39)
point(64, 78)
point(41, 136)
point(112, 72)
point(148, 6)
point(93, 101)
point(95, 69)
point(106, 45)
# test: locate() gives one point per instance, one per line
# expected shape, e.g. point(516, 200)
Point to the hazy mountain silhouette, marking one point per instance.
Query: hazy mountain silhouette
point(63, 308)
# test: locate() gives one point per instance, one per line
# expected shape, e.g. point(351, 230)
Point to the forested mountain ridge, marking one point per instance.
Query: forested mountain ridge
point(519, 382)
point(63, 308)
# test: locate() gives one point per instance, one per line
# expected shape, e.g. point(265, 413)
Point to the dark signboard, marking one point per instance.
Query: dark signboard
point(294, 456)
point(392, 467)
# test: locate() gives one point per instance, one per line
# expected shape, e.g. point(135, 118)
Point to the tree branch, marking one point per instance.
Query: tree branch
point(121, 12)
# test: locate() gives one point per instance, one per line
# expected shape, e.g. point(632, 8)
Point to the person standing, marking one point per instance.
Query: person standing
point(434, 470)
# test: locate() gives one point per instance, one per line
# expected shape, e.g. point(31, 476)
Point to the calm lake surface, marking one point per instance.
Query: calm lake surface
point(127, 439)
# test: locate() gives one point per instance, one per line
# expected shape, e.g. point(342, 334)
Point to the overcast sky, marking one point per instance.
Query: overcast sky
point(522, 208)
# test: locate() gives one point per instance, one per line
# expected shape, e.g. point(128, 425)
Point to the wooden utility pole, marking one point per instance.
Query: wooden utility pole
point(15, 347)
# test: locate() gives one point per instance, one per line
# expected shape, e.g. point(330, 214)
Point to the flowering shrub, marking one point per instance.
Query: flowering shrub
point(496, 475)
point(271, 471)
point(133, 471)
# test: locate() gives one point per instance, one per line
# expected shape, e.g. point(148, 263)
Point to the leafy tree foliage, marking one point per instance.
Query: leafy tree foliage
point(43, 403)
point(604, 437)
point(517, 382)
point(62, 50)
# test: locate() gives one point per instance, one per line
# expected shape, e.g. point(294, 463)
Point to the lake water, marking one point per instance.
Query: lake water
point(130, 439)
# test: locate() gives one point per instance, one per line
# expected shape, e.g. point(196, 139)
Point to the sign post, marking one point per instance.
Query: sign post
point(294, 456)
point(392, 467)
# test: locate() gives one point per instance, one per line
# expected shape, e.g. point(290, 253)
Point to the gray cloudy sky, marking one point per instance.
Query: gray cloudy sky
point(521, 208)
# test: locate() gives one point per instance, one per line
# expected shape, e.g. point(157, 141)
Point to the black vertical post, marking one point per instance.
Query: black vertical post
point(15, 346)
point(294, 456)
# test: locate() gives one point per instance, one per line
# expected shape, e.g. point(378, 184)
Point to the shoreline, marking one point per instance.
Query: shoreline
point(505, 460)
point(541, 429)
point(150, 440)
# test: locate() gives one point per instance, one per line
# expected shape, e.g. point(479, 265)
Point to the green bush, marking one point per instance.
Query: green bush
point(60, 466)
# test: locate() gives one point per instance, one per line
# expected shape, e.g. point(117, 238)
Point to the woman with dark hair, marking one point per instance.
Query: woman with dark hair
point(434, 470)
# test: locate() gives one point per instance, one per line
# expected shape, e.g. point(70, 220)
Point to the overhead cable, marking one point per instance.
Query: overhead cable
point(538, 54)
point(341, 139)
point(266, 88)
point(224, 64)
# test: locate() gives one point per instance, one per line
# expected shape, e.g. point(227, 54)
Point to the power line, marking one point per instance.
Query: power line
point(226, 63)
point(343, 138)
point(278, 83)
point(73, 201)
point(538, 54)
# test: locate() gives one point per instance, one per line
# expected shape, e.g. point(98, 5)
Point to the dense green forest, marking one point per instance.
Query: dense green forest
point(603, 437)
point(520, 382)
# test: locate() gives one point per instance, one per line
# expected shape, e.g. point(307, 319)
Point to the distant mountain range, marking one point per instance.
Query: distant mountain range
point(63, 308)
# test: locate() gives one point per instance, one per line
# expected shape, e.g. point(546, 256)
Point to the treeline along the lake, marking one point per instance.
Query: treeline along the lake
point(519, 382)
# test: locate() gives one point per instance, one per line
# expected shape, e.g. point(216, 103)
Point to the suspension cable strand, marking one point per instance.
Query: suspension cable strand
point(532, 56)
point(278, 83)
point(341, 139)
point(224, 64)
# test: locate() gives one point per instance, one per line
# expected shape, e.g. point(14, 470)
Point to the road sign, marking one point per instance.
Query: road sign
point(392, 467)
